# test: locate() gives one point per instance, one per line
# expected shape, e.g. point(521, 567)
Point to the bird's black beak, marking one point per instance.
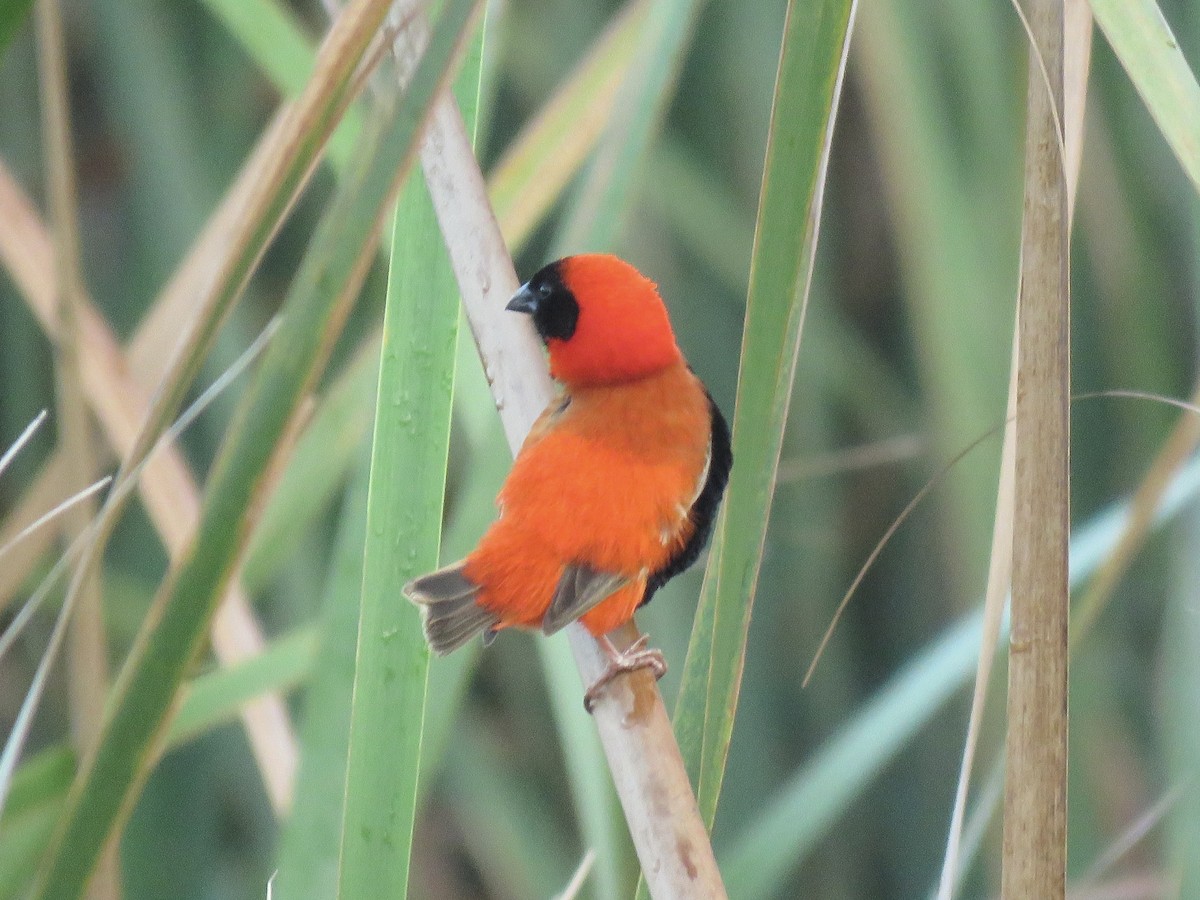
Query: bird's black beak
point(524, 301)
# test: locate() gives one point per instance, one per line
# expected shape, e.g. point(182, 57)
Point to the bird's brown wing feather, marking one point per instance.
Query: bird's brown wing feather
point(450, 614)
point(579, 589)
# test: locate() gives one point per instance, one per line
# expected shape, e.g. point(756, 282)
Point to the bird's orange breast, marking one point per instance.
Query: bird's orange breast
point(606, 481)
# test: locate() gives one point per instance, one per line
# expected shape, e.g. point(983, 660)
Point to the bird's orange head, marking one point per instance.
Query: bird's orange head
point(602, 320)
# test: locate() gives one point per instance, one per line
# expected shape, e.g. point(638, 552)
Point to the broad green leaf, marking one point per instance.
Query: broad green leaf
point(811, 64)
point(404, 524)
point(109, 780)
point(404, 515)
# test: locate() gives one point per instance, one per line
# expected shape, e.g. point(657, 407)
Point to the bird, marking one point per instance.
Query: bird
point(615, 488)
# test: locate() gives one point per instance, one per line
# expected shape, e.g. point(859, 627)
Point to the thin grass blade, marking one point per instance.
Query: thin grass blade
point(52, 514)
point(404, 522)
point(811, 65)
point(308, 847)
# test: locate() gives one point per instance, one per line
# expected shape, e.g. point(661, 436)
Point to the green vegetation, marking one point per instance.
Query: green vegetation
point(641, 128)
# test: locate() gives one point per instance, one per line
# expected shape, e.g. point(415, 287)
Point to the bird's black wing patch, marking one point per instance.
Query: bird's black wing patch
point(704, 511)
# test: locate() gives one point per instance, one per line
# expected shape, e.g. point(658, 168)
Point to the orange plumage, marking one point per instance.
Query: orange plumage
point(616, 486)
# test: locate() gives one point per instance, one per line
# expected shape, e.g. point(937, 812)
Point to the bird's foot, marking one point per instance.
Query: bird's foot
point(636, 656)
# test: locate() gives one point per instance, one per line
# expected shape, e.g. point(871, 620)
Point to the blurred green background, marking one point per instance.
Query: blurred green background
point(903, 362)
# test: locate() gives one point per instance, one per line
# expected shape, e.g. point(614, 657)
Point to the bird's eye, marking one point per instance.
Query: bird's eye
point(544, 290)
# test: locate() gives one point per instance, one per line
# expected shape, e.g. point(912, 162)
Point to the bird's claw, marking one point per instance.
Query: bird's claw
point(636, 656)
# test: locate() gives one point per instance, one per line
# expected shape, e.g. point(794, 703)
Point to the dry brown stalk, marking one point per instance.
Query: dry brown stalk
point(87, 643)
point(1036, 751)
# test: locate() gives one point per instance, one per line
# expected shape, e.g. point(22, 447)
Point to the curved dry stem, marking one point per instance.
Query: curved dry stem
point(912, 504)
point(999, 578)
point(87, 644)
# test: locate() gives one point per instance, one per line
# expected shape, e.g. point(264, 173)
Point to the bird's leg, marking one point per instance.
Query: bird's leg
point(636, 656)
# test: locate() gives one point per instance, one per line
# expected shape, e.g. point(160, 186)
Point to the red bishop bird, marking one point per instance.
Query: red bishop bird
point(616, 487)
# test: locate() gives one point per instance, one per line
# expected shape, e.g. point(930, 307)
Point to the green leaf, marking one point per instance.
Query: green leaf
point(404, 521)
point(404, 515)
point(216, 697)
point(1143, 41)
point(811, 64)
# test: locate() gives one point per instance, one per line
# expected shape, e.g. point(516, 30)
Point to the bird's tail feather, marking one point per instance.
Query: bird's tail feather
point(450, 614)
